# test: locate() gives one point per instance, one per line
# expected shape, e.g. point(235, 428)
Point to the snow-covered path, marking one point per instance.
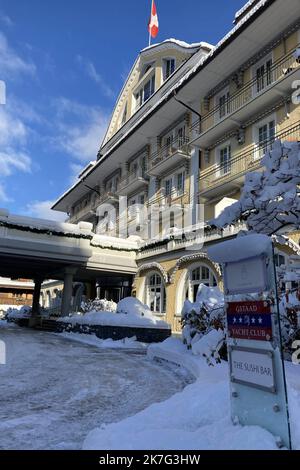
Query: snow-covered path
point(54, 391)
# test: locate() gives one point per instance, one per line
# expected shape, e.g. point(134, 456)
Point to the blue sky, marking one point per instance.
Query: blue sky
point(64, 63)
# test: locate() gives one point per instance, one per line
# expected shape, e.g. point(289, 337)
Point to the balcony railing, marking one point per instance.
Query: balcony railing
point(132, 177)
point(162, 198)
point(237, 166)
point(179, 144)
point(91, 207)
point(250, 90)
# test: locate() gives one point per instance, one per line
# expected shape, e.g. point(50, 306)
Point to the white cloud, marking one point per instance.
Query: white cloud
point(3, 196)
point(80, 129)
point(91, 71)
point(12, 129)
point(10, 161)
point(13, 137)
point(75, 168)
point(11, 64)
point(42, 210)
point(6, 20)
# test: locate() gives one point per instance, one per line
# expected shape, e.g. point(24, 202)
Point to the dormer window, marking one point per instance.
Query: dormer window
point(145, 92)
point(147, 68)
point(169, 66)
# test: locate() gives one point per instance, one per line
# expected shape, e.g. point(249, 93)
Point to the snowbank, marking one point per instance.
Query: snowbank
point(5, 324)
point(93, 340)
point(4, 307)
point(19, 312)
point(130, 312)
point(98, 305)
point(198, 418)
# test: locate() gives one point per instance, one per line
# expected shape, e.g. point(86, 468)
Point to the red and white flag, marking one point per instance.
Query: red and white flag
point(153, 23)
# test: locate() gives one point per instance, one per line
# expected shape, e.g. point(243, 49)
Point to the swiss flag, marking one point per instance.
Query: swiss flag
point(153, 23)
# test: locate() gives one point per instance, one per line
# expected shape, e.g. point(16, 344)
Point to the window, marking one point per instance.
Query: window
point(279, 260)
point(224, 105)
point(145, 92)
point(156, 294)
point(225, 157)
point(180, 133)
point(147, 68)
point(168, 187)
point(197, 276)
point(168, 67)
point(132, 208)
point(134, 168)
point(168, 144)
point(265, 137)
point(263, 75)
point(180, 183)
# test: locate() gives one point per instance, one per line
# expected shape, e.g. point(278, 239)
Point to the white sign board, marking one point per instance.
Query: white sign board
point(248, 275)
point(253, 367)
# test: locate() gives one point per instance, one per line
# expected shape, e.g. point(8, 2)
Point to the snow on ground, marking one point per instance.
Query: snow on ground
point(197, 417)
point(93, 340)
point(54, 391)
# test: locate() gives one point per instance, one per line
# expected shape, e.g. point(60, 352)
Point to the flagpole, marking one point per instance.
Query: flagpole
point(150, 20)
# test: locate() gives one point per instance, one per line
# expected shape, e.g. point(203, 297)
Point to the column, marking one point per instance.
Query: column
point(67, 291)
point(36, 297)
point(194, 175)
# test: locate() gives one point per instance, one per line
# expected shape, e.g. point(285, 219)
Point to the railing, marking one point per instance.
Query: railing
point(107, 195)
point(186, 239)
point(245, 161)
point(161, 196)
point(80, 213)
point(251, 89)
point(179, 144)
point(131, 177)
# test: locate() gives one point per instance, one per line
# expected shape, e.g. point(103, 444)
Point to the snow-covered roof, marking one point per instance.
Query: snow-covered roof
point(82, 229)
point(86, 168)
point(176, 42)
point(242, 11)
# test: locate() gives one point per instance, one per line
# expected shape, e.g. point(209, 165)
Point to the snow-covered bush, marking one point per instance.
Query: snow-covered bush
point(133, 306)
point(203, 322)
point(269, 202)
point(130, 312)
point(289, 309)
point(13, 314)
point(98, 305)
point(270, 199)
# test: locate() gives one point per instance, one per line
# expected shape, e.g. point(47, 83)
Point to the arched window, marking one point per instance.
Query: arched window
point(200, 275)
point(156, 294)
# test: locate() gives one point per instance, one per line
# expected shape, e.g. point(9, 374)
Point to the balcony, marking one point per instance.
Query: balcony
point(109, 197)
point(84, 214)
point(230, 176)
point(88, 212)
point(133, 182)
point(170, 156)
point(248, 100)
